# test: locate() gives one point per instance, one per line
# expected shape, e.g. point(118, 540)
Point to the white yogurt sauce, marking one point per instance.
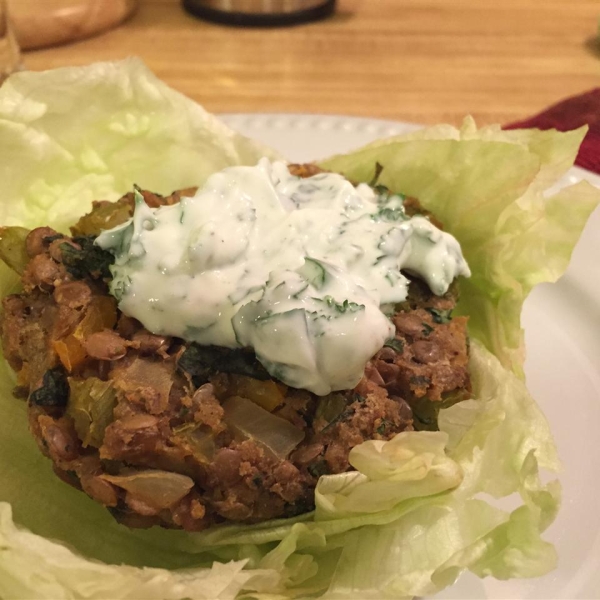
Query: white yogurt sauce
point(295, 268)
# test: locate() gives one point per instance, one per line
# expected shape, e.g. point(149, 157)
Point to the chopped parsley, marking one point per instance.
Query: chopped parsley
point(203, 361)
point(383, 426)
point(390, 214)
point(395, 344)
point(427, 329)
point(440, 316)
point(319, 468)
point(88, 260)
point(341, 307)
point(356, 397)
point(54, 390)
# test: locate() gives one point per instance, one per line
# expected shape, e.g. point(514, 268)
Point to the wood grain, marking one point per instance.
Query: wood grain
point(425, 61)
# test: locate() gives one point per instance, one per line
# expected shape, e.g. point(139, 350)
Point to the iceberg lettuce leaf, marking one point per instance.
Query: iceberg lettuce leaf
point(416, 512)
point(34, 567)
point(487, 187)
point(73, 135)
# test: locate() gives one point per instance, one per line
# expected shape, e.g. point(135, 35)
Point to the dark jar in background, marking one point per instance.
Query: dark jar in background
point(260, 13)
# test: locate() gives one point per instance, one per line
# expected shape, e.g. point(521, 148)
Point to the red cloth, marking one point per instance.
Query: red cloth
point(572, 113)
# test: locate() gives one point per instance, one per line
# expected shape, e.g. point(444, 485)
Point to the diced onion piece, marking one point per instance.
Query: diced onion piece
point(255, 423)
point(200, 441)
point(143, 373)
point(264, 393)
point(100, 314)
point(158, 489)
point(91, 403)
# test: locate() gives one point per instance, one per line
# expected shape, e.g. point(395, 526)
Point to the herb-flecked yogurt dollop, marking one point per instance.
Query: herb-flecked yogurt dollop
point(299, 269)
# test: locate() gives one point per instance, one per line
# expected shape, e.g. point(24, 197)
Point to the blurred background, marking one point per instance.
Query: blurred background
point(423, 61)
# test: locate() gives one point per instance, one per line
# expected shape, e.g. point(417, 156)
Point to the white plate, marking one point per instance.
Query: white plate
point(562, 333)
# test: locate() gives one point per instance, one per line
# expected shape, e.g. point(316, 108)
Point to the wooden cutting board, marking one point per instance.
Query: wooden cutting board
point(41, 23)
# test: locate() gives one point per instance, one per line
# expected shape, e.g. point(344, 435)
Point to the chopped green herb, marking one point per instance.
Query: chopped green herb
point(424, 423)
point(343, 307)
point(87, 260)
point(440, 316)
point(427, 329)
point(314, 272)
point(319, 468)
point(383, 426)
point(54, 390)
point(395, 344)
point(390, 214)
point(381, 190)
point(356, 397)
point(203, 361)
point(119, 288)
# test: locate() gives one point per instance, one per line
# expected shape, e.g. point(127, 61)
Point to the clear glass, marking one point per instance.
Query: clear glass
point(10, 58)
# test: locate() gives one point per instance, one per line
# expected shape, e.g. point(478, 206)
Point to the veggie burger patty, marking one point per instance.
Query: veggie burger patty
point(166, 432)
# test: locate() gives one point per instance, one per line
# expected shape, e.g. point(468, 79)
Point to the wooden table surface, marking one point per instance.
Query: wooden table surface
point(424, 61)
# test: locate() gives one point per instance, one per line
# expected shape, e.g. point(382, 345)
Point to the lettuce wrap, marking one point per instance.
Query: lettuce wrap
point(418, 509)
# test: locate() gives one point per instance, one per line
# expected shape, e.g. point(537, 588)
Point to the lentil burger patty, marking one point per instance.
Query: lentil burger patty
point(166, 432)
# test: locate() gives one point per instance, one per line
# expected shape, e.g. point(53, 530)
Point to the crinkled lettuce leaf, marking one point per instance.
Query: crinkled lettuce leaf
point(487, 187)
point(34, 567)
point(420, 508)
point(73, 135)
point(411, 465)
